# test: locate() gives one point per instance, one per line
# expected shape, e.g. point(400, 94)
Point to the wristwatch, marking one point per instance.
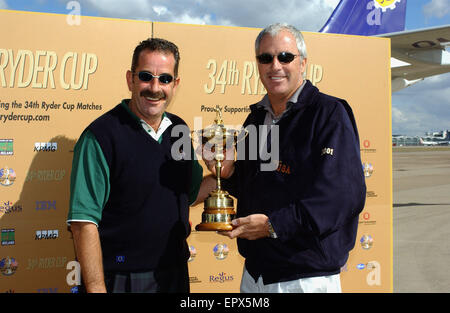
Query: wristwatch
point(272, 233)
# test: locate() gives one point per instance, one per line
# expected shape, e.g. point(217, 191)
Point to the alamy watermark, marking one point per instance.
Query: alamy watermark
point(74, 16)
point(251, 143)
point(374, 15)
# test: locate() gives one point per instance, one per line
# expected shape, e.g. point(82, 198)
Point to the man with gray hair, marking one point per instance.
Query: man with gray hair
point(297, 223)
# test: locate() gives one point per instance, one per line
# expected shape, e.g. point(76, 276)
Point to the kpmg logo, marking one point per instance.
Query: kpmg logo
point(7, 176)
point(221, 278)
point(46, 234)
point(46, 146)
point(6, 146)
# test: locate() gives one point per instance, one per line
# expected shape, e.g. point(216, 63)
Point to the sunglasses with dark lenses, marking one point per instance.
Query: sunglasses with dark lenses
point(147, 76)
point(283, 57)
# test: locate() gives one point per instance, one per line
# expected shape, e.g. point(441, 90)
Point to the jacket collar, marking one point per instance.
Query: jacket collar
point(303, 99)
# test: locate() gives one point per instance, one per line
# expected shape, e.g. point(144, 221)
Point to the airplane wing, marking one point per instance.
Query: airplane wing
point(423, 52)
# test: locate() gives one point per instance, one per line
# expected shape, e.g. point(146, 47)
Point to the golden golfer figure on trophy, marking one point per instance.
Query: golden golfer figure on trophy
point(219, 205)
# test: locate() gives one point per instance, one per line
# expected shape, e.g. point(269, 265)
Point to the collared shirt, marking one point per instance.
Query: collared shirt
point(165, 123)
point(271, 118)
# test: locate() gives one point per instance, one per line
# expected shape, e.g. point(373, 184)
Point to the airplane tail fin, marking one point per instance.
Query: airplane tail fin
point(366, 17)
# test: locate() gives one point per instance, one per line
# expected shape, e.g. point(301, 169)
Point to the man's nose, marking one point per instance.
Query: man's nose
point(276, 64)
point(154, 84)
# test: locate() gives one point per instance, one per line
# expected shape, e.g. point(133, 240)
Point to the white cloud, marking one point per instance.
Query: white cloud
point(160, 10)
point(332, 3)
point(398, 116)
point(135, 9)
point(309, 15)
point(416, 109)
point(437, 8)
point(187, 19)
point(422, 107)
point(3, 4)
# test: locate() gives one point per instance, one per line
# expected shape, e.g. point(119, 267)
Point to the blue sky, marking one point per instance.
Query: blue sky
point(422, 107)
point(416, 16)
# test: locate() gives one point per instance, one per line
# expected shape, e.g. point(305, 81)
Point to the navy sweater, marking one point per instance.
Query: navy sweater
point(314, 196)
point(145, 221)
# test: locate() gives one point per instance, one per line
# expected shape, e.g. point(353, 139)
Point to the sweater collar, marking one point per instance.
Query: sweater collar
point(157, 135)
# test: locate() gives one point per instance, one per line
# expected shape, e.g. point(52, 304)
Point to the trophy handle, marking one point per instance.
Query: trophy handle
point(238, 137)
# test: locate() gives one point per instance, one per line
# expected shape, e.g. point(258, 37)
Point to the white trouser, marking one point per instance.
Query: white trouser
point(321, 284)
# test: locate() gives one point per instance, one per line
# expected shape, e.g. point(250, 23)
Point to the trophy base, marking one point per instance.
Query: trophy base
point(214, 227)
point(216, 220)
point(218, 212)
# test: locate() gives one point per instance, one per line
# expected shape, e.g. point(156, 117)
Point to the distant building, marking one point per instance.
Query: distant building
point(401, 140)
point(441, 138)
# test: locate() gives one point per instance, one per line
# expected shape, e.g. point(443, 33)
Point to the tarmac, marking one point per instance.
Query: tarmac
point(421, 219)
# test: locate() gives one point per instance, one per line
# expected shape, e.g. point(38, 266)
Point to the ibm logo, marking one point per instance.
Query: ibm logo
point(47, 234)
point(45, 205)
point(46, 146)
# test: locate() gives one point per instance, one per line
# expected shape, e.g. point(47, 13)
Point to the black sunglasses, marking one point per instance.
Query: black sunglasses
point(147, 76)
point(283, 57)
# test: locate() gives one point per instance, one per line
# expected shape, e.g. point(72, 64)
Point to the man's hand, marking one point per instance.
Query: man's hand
point(251, 227)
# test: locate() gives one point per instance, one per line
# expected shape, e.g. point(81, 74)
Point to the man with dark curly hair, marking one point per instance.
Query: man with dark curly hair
point(128, 216)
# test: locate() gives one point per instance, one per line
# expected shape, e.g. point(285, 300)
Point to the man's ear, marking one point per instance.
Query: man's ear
point(176, 82)
point(129, 77)
point(303, 65)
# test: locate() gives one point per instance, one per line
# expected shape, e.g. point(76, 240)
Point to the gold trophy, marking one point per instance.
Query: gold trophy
point(218, 209)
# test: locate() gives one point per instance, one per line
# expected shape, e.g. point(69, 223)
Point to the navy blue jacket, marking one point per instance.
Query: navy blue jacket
point(312, 199)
